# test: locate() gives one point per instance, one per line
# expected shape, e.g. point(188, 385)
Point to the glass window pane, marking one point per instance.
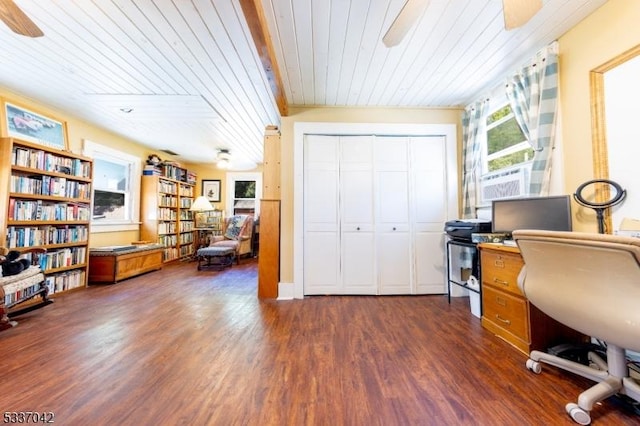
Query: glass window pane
point(109, 175)
point(109, 205)
point(511, 159)
point(245, 189)
point(503, 136)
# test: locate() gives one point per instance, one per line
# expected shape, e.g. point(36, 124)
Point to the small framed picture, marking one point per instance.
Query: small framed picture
point(22, 123)
point(211, 190)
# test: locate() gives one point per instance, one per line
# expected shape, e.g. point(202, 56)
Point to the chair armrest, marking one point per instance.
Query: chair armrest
point(216, 239)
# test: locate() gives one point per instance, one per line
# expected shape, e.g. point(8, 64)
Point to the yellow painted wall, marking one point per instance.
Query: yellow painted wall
point(339, 115)
point(611, 30)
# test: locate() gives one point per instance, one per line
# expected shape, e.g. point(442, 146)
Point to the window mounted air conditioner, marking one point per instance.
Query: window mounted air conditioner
point(503, 183)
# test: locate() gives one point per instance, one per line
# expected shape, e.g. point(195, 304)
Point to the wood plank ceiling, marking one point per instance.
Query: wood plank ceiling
point(194, 79)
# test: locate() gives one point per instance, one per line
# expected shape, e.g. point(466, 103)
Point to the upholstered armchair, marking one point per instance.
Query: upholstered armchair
point(237, 234)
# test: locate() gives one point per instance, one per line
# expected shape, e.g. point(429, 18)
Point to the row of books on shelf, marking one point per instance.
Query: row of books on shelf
point(170, 171)
point(50, 185)
point(168, 187)
point(13, 292)
point(186, 251)
point(65, 280)
point(170, 253)
point(35, 236)
point(42, 210)
point(167, 200)
point(54, 283)
point(151, 170)
point(186, 191)
point(41, 160)
point(186, 238)
point(186, 226)
point(62, 258)
point(186, 215)
point(167, 228)
point(168, 240)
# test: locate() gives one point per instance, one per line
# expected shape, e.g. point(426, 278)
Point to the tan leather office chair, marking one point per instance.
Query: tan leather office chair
point(591, 283)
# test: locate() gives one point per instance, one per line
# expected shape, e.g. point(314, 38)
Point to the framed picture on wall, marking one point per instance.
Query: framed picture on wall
point(211, 190)
point(21, 123)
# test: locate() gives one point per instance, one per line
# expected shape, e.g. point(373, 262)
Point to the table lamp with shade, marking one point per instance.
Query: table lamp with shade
point(199, 206)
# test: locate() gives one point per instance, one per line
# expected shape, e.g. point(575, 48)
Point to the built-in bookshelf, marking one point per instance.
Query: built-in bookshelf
point(166, 218)
point(46, 194)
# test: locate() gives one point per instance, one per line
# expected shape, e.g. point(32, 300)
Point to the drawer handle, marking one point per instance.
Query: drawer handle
point(499, 263)
point(504, 283)
point(500, 301)
point(502, 320)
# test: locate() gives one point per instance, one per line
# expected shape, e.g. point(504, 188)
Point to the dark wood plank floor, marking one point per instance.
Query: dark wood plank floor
point(180, 346)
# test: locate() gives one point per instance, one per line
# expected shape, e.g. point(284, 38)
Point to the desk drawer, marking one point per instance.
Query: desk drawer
point(501, 270)
point(507, 312)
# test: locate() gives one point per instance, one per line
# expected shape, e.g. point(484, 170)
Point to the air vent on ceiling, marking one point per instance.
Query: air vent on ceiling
point(168, 151)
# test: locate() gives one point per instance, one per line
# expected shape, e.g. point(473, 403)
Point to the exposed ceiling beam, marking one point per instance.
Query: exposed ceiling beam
point(258, 26)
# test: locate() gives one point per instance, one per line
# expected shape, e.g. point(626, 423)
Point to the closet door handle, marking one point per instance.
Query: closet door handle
point(394, 228)
point(358, 228)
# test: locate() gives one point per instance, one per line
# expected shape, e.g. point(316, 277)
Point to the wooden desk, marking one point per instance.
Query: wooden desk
point(506, 311)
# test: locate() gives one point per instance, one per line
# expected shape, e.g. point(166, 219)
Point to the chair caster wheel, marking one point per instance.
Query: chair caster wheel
point(534, 366)
point(578, 415)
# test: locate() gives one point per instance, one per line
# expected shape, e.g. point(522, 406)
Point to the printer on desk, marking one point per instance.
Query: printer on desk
point(461, 229)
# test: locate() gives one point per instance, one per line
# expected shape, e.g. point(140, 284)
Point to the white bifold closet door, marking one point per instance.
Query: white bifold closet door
point(371, 223)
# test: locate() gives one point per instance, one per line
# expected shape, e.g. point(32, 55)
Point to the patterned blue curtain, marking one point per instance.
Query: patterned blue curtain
point(533, 96)
point(474, 122)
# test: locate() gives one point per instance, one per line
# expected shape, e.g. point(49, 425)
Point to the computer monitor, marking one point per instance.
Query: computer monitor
point(545, 213)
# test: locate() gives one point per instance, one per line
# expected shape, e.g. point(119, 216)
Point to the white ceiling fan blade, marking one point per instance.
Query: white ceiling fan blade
point(408, 16)
point(518, 12)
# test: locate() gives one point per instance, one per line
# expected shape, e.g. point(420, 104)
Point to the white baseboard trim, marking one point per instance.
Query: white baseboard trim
point(286, 291)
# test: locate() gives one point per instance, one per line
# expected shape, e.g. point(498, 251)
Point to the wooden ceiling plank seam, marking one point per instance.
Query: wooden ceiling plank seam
point(546, 32)
point(134, 22)
point(416, 42)
point(228, 110)
point(353, 42)
point(368, 53)
point(102, 42)
point(303, 29)
point(49, 51)
point(494, 65)
point(218, 60)
point(378, 61)
point(438, 49)
point(387, 57)
point(340, 16)
point(464, 43)
point(457, 71)
point(321, 25)
point(252, 10)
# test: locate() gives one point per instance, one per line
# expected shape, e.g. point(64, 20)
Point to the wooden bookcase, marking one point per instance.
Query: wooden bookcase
point(166, 218)
point(45, 199)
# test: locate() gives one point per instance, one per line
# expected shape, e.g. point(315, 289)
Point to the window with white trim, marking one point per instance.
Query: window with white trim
point(244, 193)
point(116, 189)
